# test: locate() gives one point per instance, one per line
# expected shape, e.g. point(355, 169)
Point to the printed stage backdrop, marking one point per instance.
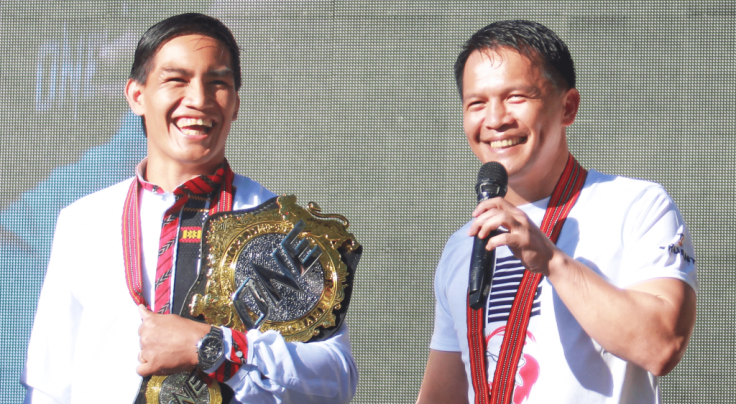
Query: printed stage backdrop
point(352, 104)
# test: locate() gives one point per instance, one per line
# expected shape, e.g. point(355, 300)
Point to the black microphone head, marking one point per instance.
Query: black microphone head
point(493, 172)
point(492, 181)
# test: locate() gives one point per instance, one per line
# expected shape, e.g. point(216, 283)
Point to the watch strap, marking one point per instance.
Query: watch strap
point(214, 336)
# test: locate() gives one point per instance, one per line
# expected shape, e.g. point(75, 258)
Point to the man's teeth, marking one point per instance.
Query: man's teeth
point(192, 132)
point(182, 122)
point(505, 143)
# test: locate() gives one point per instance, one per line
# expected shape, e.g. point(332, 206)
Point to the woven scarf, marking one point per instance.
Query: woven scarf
point(563, 198)
point(218, 185)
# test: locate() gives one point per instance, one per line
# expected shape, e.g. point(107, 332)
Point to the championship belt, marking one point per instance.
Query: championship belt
point(278, 267)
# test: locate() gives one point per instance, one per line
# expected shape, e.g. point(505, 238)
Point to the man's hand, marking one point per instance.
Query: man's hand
point(523, 237)
point(168, 343)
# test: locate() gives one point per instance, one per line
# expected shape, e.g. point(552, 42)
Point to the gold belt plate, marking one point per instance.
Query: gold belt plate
point(226, 239)
point(186, 387)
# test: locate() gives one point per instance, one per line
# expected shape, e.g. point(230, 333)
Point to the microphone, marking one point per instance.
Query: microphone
point(492, 182)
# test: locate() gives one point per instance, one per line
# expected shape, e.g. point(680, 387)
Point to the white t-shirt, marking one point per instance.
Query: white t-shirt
point(627, 231)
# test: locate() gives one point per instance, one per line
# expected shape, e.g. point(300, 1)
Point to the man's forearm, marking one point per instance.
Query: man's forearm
point(444, 381)
point(648, 324)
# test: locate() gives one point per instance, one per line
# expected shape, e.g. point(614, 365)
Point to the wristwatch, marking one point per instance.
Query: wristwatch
point(210, 349)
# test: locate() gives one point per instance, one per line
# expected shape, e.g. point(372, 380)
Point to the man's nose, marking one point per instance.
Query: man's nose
point(497, 115)
point(197, 96)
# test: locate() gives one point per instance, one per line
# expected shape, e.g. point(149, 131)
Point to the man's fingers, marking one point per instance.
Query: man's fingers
point(497, 241)
point(489, 221)
point(480, 220)
point(491, 225)
point(483, 207)
point(498, 203)
point(144, 312)
point(144, 369)
point(492, 208)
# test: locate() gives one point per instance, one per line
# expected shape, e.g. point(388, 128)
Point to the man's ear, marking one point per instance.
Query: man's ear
point(237, 106)
point(570, 103)
point(134, 95)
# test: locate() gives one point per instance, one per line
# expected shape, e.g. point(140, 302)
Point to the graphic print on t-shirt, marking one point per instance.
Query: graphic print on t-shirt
point(506, 280)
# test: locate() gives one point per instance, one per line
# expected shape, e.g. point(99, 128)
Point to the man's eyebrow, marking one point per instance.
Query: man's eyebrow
point(175, 70)
point(510, 88)
point(224, 72)
point(524, 87)
point(220, 72)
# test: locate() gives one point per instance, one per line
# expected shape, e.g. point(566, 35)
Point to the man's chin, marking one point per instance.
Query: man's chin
point(194, 156)
point(513, 166)
point(506, 161)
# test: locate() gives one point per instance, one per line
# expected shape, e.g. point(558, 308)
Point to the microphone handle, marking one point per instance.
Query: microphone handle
point(482, 267)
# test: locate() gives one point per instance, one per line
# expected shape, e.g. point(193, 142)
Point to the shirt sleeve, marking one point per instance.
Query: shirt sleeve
point(277, 371)
point(37, 397)
point(52, 343)
point(444, 337)
point(657, 243)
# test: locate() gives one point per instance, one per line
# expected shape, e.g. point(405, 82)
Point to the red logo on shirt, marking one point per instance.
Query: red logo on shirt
point(527, 372)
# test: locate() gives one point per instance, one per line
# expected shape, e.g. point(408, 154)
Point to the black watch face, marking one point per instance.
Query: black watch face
point(210, 349)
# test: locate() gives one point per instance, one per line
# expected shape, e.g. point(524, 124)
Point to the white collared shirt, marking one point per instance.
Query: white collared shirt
point(84, 344)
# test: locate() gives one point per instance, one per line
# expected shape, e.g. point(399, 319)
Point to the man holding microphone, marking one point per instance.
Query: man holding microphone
point(593, 291)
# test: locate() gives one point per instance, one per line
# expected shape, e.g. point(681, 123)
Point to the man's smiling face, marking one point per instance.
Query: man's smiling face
point(188, 102)
point(512, 113)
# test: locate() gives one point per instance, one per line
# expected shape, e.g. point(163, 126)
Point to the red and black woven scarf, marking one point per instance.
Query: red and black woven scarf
point(220, 184)
point(501, 391)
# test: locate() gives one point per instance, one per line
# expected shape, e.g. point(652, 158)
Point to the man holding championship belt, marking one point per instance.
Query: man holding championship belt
point(108, 313)
point(589, 292)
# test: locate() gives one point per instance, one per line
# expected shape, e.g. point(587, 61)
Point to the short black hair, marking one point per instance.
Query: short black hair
point(179, 25)
point(530, 39)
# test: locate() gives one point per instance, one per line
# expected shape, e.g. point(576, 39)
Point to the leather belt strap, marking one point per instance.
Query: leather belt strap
point(563, 198)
